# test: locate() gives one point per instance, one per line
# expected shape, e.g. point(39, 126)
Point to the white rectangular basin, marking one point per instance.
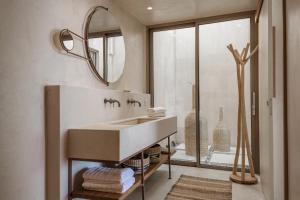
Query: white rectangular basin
point(134, 121)
point(118, 140)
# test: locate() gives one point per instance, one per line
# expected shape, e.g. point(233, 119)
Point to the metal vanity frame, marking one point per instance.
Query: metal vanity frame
point(140, 179)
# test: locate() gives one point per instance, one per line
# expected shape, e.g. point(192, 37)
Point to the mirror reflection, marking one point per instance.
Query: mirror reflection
point(66, 40)
point(106, 48)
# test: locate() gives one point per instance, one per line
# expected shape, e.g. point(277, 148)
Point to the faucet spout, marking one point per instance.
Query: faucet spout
point(112, 101)
point(133, 101)
point(116, 101)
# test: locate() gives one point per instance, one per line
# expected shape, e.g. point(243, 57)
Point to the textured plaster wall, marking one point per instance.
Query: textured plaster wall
point(265, 119)
point(277, 21)
point(271, 118)
point(28, 62)
point(293, 73)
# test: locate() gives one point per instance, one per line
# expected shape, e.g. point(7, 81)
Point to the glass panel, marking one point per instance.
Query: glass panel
point(96, 47)
point(174, 79)
point(218, 89)
point(69, 44)
point(115, 58)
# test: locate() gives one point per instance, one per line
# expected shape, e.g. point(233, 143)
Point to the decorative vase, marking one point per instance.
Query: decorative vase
point(221, 135)
point(203, 136)
point(190, 132)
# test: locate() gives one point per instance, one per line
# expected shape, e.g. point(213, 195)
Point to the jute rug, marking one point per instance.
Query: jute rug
point(194, 188)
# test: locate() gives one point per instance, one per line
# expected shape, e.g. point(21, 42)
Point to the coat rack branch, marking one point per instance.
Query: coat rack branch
point(243, 143)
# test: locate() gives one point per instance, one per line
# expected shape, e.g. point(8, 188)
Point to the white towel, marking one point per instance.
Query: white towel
point(156, 110)
point(108, 175)
point(156, 114)
point(114, 188)
point(107, 181)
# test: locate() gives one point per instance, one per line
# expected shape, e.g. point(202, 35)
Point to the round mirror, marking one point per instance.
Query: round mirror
point(104, 45)
point(66, 40)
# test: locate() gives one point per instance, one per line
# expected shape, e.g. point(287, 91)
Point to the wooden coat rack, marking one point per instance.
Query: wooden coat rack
point(242, 131)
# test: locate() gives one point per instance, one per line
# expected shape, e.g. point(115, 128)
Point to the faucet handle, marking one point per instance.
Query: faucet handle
point(106, 101)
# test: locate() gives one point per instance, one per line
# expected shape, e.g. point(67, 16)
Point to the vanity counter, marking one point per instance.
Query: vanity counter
point(116, 141)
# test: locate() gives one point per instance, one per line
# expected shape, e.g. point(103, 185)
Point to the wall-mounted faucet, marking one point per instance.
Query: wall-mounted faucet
point(112, 101)
point(133, 101)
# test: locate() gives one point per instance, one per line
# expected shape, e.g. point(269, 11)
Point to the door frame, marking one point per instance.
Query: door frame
point(254, 75)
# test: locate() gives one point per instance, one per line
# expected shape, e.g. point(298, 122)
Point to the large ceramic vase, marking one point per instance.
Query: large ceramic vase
point(221, 135)
point(190, 132)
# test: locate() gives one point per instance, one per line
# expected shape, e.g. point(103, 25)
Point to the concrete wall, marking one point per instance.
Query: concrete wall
point(293, 73)
point(29, 61)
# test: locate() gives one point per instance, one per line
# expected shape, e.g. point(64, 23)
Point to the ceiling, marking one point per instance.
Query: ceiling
point(165, 11)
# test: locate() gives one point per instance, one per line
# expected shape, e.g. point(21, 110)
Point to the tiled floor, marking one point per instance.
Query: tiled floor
point(159, 185)
point(215, 158)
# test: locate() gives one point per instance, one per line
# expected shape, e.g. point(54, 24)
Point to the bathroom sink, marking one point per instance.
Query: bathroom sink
point(134, 121)
point(118, 140)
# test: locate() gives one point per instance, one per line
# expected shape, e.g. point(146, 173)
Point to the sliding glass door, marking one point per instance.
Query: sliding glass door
point(173, 85)
point(218, 89)
point(193, 75)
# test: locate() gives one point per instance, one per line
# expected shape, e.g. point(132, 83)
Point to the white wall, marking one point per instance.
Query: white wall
point(277, 22)
point(28, 62)
point(265, 119)
point(271, 123)
point(293, 96)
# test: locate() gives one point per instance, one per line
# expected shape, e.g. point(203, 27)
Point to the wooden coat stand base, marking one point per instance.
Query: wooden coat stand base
point(248, 180)
point(242, 131)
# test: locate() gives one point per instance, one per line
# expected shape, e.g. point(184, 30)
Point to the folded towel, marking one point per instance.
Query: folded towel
point(138, 170)
point(162, 114)
point(114, 188)
point(105, 174)
point(156, 110)
point(107, 181)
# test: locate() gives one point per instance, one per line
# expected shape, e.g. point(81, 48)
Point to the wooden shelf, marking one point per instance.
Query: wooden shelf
point(95, 195)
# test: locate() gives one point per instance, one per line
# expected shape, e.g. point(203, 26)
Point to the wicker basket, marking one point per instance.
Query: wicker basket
point(154, 152)
point(135, 163)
